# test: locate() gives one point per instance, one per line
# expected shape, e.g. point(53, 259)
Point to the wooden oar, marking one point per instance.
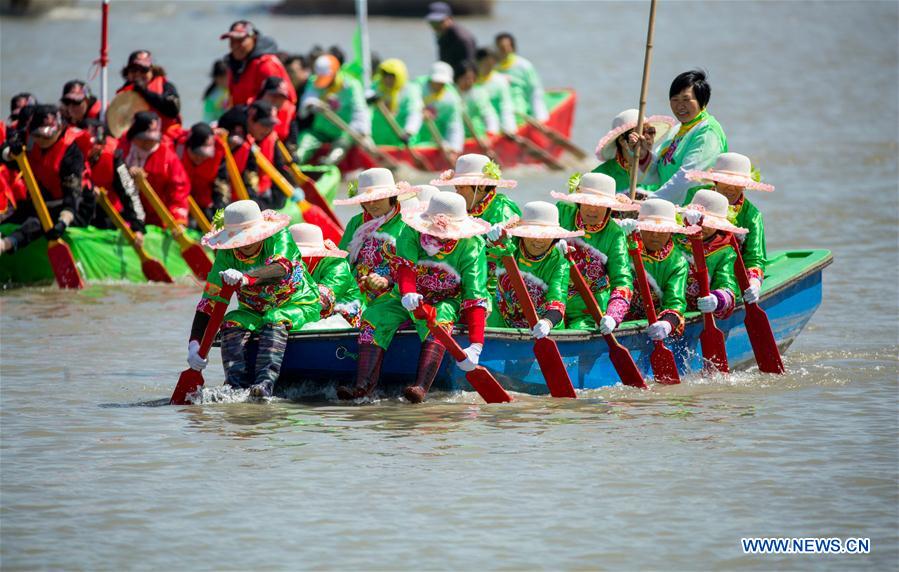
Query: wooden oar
point(531, 149)
point(438, 139)
point(313, 195)
point(198, 215)
point(61, 260)
point(403, 136)
point(619, 355)
point(153, 270)
point(483, 145)
point(546, 350)
point(480, 379)
point(711, 338)
point(358, 138)
point(664, 368)
point(191, 379)
point(764, 345)
point(644, 87)
point(556, 137)
point(196, 258)
point(237, 184)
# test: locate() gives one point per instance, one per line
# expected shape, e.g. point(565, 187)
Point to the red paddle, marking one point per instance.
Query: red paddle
point(545, 349)
point(618, 354)
point(480, 379)
point(764, 346)
point(664, 368)
point(711, 338)
point(191, 379)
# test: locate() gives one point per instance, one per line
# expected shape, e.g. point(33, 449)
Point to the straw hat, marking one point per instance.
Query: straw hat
point(624, 122)
point(446, 217)
point(540, 219)
point(731, 169)
point(122, 109)
point(418, 202)
point(598, 190)
point(245, 224)
point(312, 244)
point(474, 169)
point(659, 215)
point(372, 185)
point(713, 206)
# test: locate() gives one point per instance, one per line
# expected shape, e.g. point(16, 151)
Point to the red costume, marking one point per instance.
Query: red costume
point(166, 175)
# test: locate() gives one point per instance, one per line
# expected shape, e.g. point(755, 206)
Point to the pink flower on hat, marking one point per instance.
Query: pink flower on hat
point(441, 221)
point(446, 175)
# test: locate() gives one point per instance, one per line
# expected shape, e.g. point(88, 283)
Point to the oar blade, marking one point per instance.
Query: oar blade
point(189, 381)
point(624, 364)
point(314, 196)
point(197, 260)
point(764, 346)
point(63, 264)
point(664, 368)
point(154, 271)
point(486, 385)
point(317, 216)
point(557, 380)
point(713, 348)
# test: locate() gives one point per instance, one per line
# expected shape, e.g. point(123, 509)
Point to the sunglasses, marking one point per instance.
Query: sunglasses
point(67, 101)
point(138, 68)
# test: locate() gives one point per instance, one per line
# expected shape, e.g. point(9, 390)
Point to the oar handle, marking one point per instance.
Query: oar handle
point(643, 282)
point(34, 191)
point(357, 137)
point(702, 270)
point(240, 189)
point(521, 290)
point(580, 284)
point(215, 319)
point(294, 168)
point(173, 226)
point(391, 120)
point(533, 150)
point(198, 215)
point(438, 139)
point(739, 265)
point(428, 313)
point(313, 195)
point(277, 178)
point(115, 216)
point(557, 137)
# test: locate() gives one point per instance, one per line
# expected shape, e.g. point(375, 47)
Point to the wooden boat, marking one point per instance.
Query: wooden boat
point(316, 360)
point(559, 102)
point(103, 254)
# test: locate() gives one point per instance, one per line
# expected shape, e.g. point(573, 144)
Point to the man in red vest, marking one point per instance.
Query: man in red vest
point(203, 158)
point(149, 81)
point(253, 58)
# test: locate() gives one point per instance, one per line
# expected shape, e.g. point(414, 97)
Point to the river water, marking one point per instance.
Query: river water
point(94, 476)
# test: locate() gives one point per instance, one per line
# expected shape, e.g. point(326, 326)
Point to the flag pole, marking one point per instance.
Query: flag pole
point(104, 61)
point(362, 16)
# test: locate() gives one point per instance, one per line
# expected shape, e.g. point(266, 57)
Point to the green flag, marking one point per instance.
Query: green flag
point(354, 67)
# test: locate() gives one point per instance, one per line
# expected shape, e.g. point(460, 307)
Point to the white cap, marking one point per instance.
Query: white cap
point(441, 72)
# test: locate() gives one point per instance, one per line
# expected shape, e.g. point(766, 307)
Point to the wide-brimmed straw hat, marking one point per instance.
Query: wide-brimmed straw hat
point(540, 219)
point(659, 215)
point(598, 190)
point(476, 170)
point(713, 206)
point(418, 202)
point(312, 243)
point(244, 224)
point(731, 169)
point(122, 109)
point(624, 122)
point(446, 217)
point(372, 185)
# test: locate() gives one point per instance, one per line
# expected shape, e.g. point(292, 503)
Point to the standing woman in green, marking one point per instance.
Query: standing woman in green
point(695, 145)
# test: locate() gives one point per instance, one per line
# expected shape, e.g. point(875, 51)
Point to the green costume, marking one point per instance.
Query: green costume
point(525, 85)
point(452, 280)
point(546, 279)
point(666, 272)
point(500, 95)
point(483, 117)
point(346, 98)
point(446, 108)
point(407, 114)
point(495, 208)
point(719, 259)
point(372, 244)
point(337, 287)
point(293, 300)
point(614, 169)
point(601, 255)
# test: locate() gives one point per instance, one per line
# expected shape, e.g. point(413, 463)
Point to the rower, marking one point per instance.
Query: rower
point(203, 158)
point(616, 148)
point(20, 108)
point(262, 119)
point(455, 44)
point(79, 107)
point(274, 90)
point(497, 87)
point(61, 173)
point(527, 89)
point(145, 150)
point(108, 171)
point(255, 253)
point(402, 98)
point(484, 118)
point(149, 81)
point(342, 93)
point(234, 121)
point(299, 70)
point(216, 99)
point(443, 106)
point(252, 59)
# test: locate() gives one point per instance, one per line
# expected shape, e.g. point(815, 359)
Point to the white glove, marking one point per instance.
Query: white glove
point(412, 300)
point(541, 328)
point(692, 216)
point(628, 225)
point(658, 331)
point(751, 294)
point(562, 245)
point(193, 356)
point(707, 304)
point(495, 232)
point(233, 277)
point(607, 325)
point(472, 354)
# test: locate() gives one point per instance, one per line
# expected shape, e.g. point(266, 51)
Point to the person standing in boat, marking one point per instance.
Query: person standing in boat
point(371, 236)
point(666, 268)
point(615, 149)
point(403, 100)
point(145, 151)
point(443, 106)
point(338, 291)
point(601, 253)
point(252, 59)
point(455, 44)
point(203, 158)
point(527, 89)
point(476, 102)
point(708, 210)
point(342, 94)
point(234, 123)
point(539, 248)
point(274, 91)
point(441, 262)
point(255, 252)
point(496, 85)
point(149, 81)
point(732, 175)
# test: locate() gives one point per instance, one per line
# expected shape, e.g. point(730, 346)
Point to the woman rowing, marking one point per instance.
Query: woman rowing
point(402, 99)
point(149, 81)
point(616, 148)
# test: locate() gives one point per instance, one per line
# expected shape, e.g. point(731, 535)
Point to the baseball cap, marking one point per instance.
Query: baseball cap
point(441, 72)
point(74, 90)
point(325, 68)
point(240, 30)
point(140, 58)
point(262, 112)
point(274, 85)
point(438, 11)
point(146, 126)
point(201, 140)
